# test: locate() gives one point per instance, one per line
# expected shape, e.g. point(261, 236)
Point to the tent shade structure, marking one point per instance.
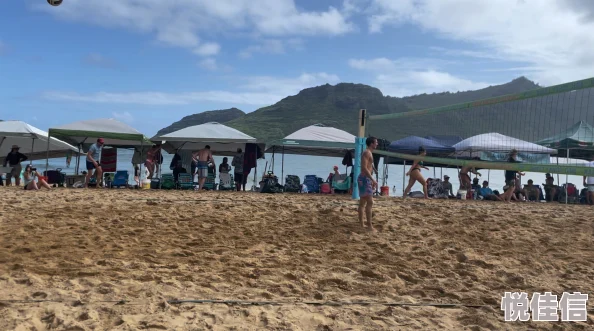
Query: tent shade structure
point(411, 144)
point(579, 138)
point(32, 142)
point(498, 143)
point(223, 140)
point(115, 133)
point(316, 140)
point(445, 140)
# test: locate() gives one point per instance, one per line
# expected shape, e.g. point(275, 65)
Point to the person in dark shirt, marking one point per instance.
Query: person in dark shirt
point(14, 159)
point(510, 177)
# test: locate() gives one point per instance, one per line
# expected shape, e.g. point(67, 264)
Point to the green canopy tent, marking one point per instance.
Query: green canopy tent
point(115, 133)
point(579, 138)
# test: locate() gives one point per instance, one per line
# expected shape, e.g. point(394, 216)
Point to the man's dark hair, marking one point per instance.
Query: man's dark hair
point(207, 146)
point(421, 149)
point(370, 140)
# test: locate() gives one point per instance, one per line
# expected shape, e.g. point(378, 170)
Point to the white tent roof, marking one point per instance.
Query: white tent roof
point(496, 142)
point(317, 140)
point(115, 133)
point(223, 140)
point(322, 133)
point(31, 140)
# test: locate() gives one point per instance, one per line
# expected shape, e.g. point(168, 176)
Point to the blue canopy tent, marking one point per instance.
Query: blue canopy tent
point(445, 140)
point(411, 144)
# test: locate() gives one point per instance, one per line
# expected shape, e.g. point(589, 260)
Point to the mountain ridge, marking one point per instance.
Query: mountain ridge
point(338, 106)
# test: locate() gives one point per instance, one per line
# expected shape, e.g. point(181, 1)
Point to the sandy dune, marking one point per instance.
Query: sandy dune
point(84, 251)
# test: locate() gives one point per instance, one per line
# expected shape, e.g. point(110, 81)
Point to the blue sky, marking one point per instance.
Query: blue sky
point(151, 62)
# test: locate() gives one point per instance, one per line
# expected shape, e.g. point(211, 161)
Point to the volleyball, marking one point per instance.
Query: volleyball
point(54, 2)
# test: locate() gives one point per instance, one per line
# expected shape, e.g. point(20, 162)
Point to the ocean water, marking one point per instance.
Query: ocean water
point(301, 165)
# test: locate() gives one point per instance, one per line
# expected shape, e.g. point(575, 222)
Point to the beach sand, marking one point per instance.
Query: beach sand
point(84, 251)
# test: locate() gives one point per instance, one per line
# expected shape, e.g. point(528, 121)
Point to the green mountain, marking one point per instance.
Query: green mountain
point(339, 105)
point(221, 116)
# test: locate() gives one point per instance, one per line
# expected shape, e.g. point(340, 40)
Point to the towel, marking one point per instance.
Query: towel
point(109, 159)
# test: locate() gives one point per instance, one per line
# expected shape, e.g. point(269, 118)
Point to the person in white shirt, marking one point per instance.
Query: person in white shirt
point(589, 184)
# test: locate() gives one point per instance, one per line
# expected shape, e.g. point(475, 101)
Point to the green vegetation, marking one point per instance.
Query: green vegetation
point(339, 105)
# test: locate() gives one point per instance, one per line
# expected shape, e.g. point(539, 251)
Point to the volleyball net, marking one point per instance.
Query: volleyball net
point(551, 129)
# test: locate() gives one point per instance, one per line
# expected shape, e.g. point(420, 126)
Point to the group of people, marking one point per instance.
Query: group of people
point(202, 161)
point(512, 189)
point(13, 161)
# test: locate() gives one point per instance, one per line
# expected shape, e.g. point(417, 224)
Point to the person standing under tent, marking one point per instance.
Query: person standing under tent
point(510, 177)
point(237, 164)
point(93, 162)
point(204, 156)
point(416, 176)
point(589, 184)
point(366, 183)
point(465, 181)
point(14, 159)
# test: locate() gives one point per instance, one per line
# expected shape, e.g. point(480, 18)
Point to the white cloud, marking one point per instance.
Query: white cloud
point(180, 23)
point(125, 116)
point(209, 64)
point(410, 76)
point(553, 35)
point(272, 46)
point(208, 49)
point(256, 91)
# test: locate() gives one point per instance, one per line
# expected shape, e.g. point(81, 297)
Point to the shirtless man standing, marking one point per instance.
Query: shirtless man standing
point(203, 156)
point(366, 183)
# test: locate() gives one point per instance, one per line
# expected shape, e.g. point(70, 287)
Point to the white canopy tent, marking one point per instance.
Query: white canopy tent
point(114, 133)
point(223, 140)
point(32, 141)
point(496, 142)
point(315, 140)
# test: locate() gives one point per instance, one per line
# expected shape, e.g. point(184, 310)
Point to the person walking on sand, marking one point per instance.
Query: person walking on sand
point(93, 162)
point(416, 176)
point(203, 157)
point(366, 183)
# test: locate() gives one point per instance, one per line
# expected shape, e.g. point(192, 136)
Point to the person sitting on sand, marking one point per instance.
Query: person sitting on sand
point(487, 193)
point(29, 176)
point(447, 186)
point(416, 176)
point(531, 191)
point(550, 188)
point(224, 168)
point(366, 183)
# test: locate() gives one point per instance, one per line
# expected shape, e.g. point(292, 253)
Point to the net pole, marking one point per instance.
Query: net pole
point(403, 175)
point(566, 178)
point(359, 141)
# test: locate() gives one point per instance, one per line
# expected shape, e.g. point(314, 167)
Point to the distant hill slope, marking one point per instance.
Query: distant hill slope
point(221, 116)
point(338, 106)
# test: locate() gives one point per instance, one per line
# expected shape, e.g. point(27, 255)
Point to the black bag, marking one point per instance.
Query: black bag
point(270, 184)
point(292, 184)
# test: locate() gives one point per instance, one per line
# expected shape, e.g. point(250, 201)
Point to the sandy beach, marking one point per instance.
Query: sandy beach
point(112, 259)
